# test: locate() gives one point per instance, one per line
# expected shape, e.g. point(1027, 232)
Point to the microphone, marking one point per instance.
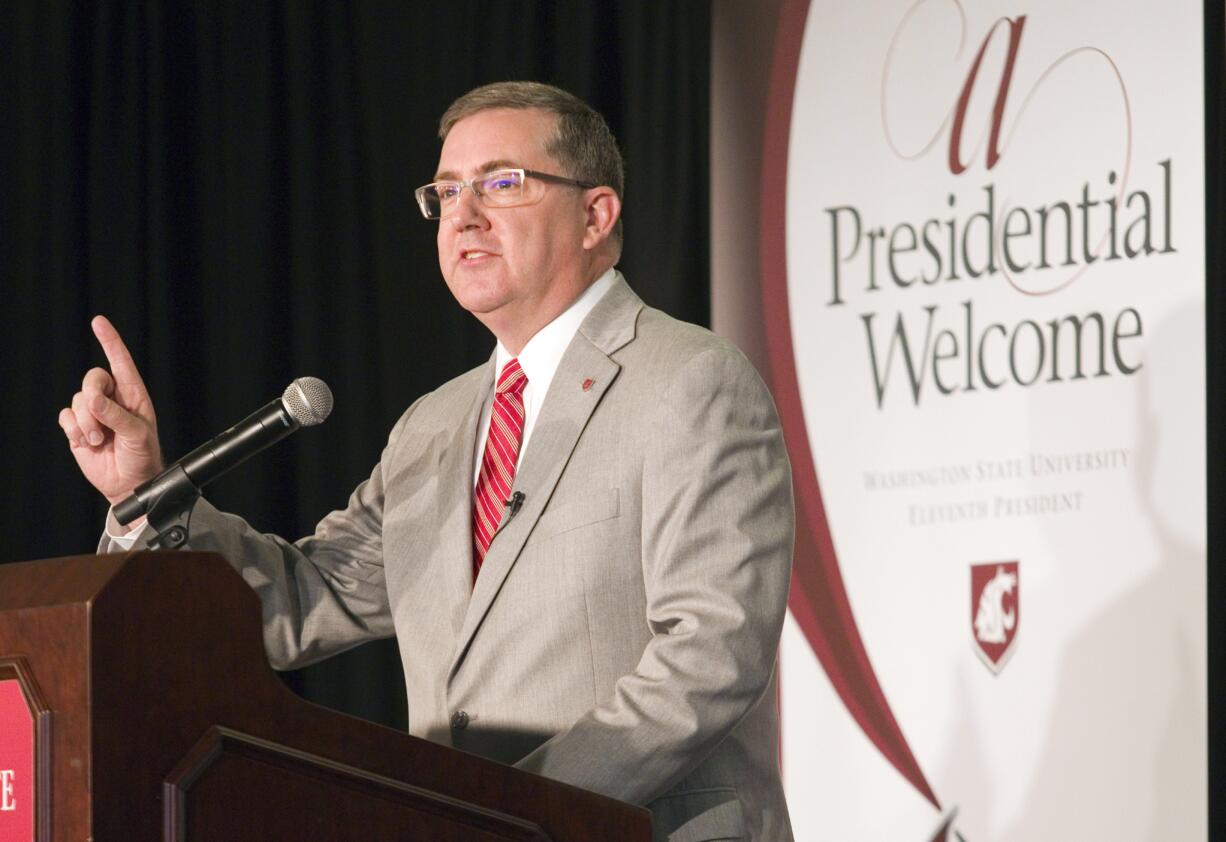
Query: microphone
point(306, 402)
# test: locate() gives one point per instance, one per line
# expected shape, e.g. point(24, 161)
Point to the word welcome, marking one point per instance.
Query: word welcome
point(957, 356)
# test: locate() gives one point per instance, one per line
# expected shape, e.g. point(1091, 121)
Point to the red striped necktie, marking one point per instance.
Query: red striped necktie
point(498, 463)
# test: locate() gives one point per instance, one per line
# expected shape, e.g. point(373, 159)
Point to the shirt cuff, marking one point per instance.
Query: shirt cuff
point(125, 537)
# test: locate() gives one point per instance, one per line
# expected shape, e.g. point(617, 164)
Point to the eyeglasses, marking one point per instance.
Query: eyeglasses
point(497, 189)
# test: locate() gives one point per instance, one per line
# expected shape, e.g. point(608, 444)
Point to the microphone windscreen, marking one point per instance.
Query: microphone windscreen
point(308, 400)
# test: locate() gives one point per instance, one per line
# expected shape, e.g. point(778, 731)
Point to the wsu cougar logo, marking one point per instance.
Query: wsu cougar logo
point(992, 620)
point(994, 610)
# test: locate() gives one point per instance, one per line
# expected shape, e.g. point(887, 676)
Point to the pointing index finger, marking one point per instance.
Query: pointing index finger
point(123, 369)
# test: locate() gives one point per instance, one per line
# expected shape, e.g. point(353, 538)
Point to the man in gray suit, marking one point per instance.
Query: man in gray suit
point(583, 546)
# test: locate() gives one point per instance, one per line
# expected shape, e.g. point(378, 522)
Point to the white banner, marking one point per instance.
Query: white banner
point(983, 255)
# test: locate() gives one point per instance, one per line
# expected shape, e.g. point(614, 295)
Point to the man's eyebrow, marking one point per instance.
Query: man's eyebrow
point(488, 166)
point(499, 164)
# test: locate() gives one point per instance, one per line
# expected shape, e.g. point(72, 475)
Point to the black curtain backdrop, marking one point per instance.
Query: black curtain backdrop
point(232, 184)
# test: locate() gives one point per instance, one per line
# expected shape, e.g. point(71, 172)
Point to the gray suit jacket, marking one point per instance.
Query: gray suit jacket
point(623, 632)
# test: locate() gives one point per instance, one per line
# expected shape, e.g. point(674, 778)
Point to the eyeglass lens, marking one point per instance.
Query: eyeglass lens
point(503, 187)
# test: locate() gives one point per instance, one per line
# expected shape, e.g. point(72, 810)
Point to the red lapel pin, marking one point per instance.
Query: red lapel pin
point(587, 384)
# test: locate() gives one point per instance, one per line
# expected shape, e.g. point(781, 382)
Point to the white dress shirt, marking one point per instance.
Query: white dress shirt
point(539, 359)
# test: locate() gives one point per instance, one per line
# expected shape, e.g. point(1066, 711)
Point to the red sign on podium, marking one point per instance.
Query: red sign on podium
point(16, 764)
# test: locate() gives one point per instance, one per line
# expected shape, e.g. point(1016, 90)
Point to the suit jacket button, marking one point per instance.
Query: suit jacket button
point(459, 720)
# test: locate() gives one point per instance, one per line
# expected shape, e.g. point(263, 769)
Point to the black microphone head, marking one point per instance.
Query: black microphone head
point(308, 400)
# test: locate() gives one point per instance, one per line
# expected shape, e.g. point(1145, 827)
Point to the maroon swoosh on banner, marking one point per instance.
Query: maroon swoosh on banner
point(818, 598)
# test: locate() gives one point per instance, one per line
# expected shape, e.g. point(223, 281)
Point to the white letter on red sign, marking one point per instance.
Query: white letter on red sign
point(7, 804)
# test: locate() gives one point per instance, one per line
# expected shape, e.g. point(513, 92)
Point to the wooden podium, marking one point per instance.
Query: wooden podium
point(156, 717)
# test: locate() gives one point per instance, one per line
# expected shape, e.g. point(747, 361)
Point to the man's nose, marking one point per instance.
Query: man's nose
point(469, 212)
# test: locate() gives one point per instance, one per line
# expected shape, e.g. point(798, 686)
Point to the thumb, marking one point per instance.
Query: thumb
point(133, 430)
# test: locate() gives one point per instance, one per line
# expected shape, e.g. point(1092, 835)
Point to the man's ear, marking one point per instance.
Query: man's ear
point(603, 209)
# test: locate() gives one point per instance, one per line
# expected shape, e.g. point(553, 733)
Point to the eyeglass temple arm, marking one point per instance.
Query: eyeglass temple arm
point(559, 179)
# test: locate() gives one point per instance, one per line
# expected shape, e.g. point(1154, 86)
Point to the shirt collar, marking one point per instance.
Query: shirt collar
point(540, 357)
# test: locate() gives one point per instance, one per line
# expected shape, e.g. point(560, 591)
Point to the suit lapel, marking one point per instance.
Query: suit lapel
point(564, 414)
point(455, 502)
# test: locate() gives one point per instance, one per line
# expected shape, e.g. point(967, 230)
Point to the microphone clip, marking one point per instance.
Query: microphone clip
point(516, 500)
point(169, 501)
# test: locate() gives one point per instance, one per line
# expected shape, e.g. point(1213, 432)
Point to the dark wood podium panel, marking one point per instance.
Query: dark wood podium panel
point(230, 775)
point(166, 722)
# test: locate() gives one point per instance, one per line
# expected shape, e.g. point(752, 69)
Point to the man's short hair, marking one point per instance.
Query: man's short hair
point(584, 145)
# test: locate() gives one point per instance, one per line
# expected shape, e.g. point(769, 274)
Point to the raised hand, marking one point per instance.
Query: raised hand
point(111, 427)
